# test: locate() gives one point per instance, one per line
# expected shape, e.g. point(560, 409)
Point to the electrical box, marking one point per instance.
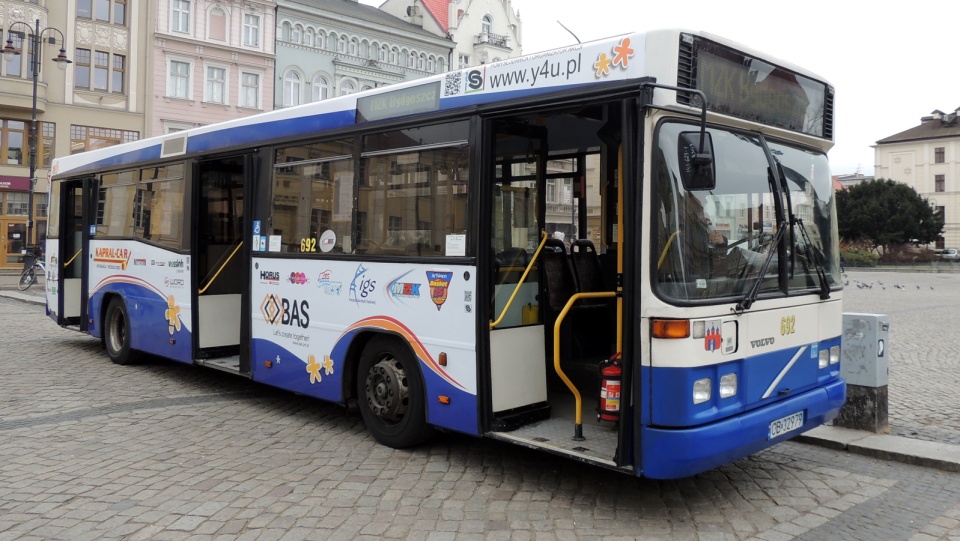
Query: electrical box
point(865, 349)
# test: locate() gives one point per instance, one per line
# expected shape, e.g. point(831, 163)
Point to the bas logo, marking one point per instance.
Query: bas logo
point(279, 311)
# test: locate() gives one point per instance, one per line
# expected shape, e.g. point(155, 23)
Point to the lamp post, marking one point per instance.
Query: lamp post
point(9, 51)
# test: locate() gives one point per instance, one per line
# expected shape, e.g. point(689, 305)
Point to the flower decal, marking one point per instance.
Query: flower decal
point(602, 65)
point(313, 368)
point(622, 52)
point(172, 314)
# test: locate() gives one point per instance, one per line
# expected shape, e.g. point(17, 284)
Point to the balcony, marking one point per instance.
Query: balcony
point(17, 93)
point(495, 40)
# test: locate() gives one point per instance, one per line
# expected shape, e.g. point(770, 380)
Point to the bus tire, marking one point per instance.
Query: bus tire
point(390, 393)
point(116, 333)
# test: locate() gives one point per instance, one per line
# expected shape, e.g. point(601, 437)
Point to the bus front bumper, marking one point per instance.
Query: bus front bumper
point(675, 453)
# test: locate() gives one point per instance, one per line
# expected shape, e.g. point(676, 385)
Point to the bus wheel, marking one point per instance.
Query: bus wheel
point(391, 394)
point(116, 329)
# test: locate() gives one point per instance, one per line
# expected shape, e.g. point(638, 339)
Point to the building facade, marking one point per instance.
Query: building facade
point(97, 101)
point(328, 48)
point(927, 158)
point(484, 31)
point(210, 61)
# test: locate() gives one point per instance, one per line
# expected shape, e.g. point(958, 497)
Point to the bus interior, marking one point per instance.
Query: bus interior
point(553, 209)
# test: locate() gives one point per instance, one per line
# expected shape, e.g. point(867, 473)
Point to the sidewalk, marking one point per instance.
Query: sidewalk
point(941, 456)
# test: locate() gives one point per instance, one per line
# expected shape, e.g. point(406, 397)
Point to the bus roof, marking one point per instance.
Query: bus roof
point(610, 60)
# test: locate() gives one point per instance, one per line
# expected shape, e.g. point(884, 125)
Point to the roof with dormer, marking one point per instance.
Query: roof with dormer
point(936, 126)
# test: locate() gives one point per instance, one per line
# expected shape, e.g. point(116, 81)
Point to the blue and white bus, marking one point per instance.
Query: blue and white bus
point(624, 252)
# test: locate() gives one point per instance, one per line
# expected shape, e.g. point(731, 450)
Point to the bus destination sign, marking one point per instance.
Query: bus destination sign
point(405, 101)
point(746, 87)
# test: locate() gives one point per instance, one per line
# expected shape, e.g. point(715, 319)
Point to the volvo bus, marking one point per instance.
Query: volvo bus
point(624, 252)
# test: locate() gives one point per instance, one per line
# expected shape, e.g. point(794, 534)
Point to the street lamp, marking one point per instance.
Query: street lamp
point(9, 51)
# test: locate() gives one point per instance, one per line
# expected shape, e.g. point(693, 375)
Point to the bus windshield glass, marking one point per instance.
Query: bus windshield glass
point(711, 245)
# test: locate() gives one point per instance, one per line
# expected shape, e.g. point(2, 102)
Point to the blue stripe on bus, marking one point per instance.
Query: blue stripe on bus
point(671, 389)
point(288, 371)
point(461, 414)
point(249, 134)
point(259, 132)
point(672, 453)
point(149, 329)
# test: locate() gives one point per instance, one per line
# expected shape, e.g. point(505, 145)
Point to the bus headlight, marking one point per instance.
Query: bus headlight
point(728, 385)
point(702, 389)
point(834, 354)
point(824, 358)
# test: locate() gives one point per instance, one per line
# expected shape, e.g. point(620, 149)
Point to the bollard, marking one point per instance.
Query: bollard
point(864, 364)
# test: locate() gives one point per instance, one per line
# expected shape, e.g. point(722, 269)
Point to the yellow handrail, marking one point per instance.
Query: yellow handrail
point(663, 254)
point(520, 283)
point(214, 278)
point(67, 264)
point(578, 429)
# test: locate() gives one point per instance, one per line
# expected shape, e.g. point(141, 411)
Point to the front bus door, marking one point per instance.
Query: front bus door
point(554, 173)
point(67, 295)
point(220, 273)
point(518, 370)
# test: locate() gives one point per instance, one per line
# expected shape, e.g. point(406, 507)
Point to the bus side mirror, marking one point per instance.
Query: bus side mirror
point(697, 168)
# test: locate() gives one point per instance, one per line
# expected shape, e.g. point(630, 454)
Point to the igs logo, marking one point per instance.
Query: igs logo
point(277, 310)
point(361, 287)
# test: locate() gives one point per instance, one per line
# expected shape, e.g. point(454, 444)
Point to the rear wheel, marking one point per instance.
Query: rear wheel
point(390, 391)
point(116, 337)
point(27, 279)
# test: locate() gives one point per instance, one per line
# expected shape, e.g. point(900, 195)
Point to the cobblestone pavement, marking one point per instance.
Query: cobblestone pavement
point(91, 450)
point(924, 347)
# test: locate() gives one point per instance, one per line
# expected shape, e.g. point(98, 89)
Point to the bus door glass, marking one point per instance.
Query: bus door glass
point(218, 256)
point(517, 340)
point(69, 295)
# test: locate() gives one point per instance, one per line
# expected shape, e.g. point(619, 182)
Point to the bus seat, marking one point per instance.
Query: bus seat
point(586, 266)
point(596, 315)
point(559, 280)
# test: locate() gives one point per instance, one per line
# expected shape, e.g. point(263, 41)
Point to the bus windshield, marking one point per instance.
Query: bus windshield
point(712, 245)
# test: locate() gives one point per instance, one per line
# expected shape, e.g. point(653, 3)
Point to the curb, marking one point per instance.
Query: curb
point(929, 454)
point(23, 297)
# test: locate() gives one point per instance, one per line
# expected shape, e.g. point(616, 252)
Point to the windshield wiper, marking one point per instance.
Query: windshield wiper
point(747, 301)
point(817, 266)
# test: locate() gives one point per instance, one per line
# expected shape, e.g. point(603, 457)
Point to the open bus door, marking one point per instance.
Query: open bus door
point(517, 346)
point(220, 269)
point(67, 296)
point(551, 179)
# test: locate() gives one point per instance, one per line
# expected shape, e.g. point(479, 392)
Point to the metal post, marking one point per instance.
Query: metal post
point(35, 68)
point(35, 45)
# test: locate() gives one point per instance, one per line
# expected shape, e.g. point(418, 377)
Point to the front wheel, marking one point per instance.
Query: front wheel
point(391, 394)
point(27, 279)
point(116, 333)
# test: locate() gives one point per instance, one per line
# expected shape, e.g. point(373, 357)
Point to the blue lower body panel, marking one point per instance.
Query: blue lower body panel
point(673, 453)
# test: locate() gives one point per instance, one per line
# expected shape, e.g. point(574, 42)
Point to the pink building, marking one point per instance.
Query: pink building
point(212, 60)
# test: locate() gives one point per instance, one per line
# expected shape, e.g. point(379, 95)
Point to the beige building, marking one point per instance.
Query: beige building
point(97, 101)
point(927, 158)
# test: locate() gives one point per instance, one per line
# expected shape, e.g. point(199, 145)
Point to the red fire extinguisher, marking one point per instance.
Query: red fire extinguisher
point(611, 371)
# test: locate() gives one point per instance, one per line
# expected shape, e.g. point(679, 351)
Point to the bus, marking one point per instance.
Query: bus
point(624, 252)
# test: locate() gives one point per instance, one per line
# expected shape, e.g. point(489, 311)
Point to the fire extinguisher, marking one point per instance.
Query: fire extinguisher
point(611, 371)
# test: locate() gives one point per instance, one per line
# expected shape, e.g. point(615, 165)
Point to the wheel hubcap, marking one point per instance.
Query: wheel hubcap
point(387, 390)
point(116, 331)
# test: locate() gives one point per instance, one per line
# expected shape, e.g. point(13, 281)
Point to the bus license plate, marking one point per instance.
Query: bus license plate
point(785, 424)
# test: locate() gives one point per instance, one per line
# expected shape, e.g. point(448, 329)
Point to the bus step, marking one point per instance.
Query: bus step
point(225, 364)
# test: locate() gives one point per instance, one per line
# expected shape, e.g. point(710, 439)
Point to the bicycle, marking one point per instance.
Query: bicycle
point(29, 275)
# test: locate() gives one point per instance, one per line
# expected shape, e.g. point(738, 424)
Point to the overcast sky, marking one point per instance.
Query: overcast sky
point(890, 63)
